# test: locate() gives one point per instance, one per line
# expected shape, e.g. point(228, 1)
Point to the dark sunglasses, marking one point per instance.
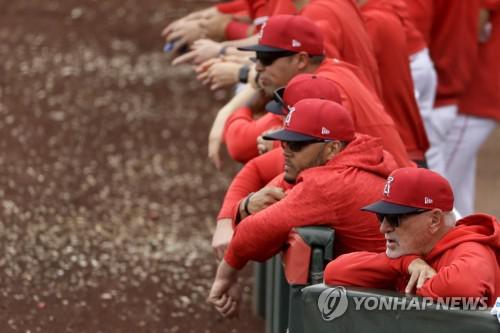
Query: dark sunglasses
point(268, 58)
point(297, 146)
point(394, 220)
point(278, 96)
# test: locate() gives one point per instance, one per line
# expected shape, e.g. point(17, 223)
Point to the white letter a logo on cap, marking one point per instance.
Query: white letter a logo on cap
point(325, 131)
point(296, 43)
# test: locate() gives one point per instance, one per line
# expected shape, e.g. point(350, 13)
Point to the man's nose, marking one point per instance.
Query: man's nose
point(259, 67)
point(385, 227)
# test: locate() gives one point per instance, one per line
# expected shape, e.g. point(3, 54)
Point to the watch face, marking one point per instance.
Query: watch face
point(243, 74)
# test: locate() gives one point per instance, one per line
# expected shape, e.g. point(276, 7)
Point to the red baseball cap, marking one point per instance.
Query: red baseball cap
point(409, 190)
point(300, 87)
point(289, 33)
point(315, 119)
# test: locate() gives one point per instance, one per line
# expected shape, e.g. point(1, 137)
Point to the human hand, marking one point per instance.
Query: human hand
point(263, 146)
point(184, 34)
point(215, 25)
point(264, 198)
point(201, 50)
point(419, 271)
point(223, 74)
point(197, 15)
point(225, 294)
point(222, 236)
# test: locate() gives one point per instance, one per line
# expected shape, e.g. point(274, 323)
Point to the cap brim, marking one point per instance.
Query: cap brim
point(285, 135)
point(261, 48)
point(388, 208)
point(275, 107)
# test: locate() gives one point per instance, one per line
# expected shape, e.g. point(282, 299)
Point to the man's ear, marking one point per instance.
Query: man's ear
point(437, 220)
point(302, 60)
point(333, 148)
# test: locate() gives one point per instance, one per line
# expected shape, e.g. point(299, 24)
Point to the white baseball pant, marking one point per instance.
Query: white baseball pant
point(463, 141)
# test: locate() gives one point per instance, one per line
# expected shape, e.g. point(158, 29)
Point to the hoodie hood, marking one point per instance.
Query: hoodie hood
point(365, 153)
point(480, 228)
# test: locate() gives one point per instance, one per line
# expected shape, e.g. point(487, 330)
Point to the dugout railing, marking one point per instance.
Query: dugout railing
point(288, 298)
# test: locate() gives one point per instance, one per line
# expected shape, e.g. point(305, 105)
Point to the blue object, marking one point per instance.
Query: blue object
point(168, 47)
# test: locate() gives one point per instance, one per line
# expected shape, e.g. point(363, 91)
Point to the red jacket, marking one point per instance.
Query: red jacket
point(345, 35)
point(466, 260)
point(386, 28)
point(257, 10)
point(332, 195)
point(254, 175)
point(368, 113)
point(482, 97)
point(450, 30)
point(369, 118)
point(241, 132)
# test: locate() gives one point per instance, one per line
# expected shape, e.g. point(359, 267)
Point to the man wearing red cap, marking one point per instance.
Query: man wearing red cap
point(368, 116)
point(283, 52)
point(324, 160)
point(424, 244)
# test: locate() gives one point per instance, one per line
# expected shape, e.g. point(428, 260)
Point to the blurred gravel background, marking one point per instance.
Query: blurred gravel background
point(107, 201)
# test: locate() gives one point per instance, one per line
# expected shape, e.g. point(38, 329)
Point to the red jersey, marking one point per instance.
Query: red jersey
point(369, 118)
point(345, 35)
point(241, 132)
point(482, 97)
point(414, 39)
point(466, 260)
point(258, 10)
point(386, 27)
point(368, 113)
point(450, 29)
point(319, 198)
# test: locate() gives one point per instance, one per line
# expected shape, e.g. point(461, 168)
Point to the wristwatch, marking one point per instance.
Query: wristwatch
point(243, 74)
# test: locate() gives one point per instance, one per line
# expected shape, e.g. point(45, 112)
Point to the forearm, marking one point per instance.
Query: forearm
point(367, 270)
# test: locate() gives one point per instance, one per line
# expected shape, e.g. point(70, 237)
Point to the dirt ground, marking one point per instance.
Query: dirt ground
point(107, 201)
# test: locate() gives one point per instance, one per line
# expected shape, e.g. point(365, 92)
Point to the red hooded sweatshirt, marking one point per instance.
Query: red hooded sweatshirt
point(345, 36)
point(257, 10)
point(482, 98)
point(332, 194)
point(369, 118)
point(450, 30)
point(241, 132)
point(466, 260)
point(386, 27)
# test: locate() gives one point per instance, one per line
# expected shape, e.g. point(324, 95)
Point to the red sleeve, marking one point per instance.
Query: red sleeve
point(231, 7)
point(258, 9)
point(241, 132)
point(367, 270)
point(252, 177)
point(262, 235)
point(470, 272)
point(237, 30)
point(490, 4)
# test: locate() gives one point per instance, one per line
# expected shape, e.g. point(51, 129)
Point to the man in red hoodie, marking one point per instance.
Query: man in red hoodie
point(330, 173)
point(424, 244)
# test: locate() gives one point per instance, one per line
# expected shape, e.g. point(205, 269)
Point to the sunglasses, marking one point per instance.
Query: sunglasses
point(268, 58)
point(296, 146)
point(394, 220)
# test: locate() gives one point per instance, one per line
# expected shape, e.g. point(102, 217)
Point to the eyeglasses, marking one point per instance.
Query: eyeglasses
point(268, 58)
point(278, 96)
point(296, 146)
point(394, 220)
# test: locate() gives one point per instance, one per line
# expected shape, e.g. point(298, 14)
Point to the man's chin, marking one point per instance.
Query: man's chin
point(290, 179)
point(392, 254)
